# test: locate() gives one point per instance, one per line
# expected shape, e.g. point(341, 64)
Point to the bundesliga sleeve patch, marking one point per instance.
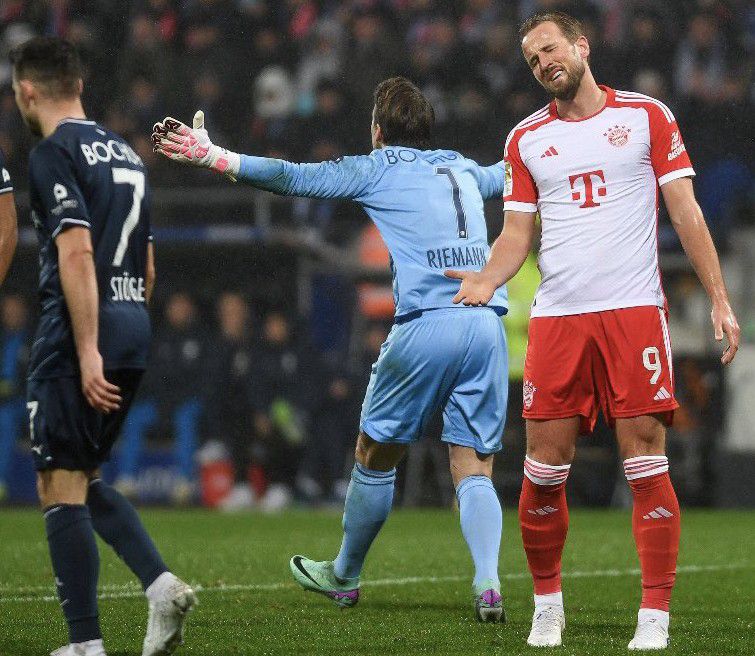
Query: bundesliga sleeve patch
point(508, 187)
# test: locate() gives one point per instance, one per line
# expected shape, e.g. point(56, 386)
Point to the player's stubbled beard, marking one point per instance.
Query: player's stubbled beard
point(33, 124)
point(573, 77)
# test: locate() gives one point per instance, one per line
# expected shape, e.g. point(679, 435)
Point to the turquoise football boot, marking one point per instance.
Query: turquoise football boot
point(320, 577)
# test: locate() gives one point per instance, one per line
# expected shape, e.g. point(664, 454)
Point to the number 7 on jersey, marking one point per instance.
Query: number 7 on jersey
point(136, 180)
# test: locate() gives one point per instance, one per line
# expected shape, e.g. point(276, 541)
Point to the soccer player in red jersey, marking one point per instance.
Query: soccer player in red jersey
point(591, 163)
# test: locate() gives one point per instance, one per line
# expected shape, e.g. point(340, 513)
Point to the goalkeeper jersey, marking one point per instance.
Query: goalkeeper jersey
point(427, 204)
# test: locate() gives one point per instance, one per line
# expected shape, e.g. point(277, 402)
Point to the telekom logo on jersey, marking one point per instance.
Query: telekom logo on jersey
point(589, 184)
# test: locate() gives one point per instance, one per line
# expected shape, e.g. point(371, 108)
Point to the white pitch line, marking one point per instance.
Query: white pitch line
point(132, 591)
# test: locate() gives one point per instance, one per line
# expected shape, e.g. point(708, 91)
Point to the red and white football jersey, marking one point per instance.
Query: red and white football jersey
point(595, 183)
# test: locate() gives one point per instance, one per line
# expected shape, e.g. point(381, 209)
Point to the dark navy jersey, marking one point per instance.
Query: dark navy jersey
point(5, 183)
point(85, 175)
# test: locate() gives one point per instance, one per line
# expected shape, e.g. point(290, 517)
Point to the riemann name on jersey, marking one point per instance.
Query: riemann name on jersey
point(99, 151)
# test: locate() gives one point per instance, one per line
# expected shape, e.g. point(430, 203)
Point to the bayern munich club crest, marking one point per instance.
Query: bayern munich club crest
point(528, 390)
point(618, 135)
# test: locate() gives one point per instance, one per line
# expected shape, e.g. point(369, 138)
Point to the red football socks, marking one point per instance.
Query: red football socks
point(544, 521)
point(656, 526)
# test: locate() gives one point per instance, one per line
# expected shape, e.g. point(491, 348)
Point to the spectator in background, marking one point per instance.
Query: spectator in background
point(320, 62)
point(282, 396)
point(172, 396)
point(14, 355)
point(230, 414)
point(274, 103)
point(700, 65)
point(326, 452)
point(147, 53)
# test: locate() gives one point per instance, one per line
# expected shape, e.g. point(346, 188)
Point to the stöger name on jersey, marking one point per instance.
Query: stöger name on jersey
point(127, 288)
point(99, 151)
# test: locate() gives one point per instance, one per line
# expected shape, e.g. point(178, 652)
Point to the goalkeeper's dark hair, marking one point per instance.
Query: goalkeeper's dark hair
point(404, 115)
point(50, 62)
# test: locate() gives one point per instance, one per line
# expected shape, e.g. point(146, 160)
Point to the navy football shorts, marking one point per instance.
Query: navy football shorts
point(68, 433)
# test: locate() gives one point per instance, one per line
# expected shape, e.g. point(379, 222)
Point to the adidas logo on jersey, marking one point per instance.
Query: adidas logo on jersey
point(662, 395)
point(659, 513)
point(545, 510)
point(550, 152)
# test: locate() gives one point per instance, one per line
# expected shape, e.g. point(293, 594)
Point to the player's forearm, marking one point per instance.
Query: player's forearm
point(510, 250)
point(8, 235)
point(689, 223)
point(264, 173)
point(151, 273)
point(328, 179)
point(8, 241)
point(79, 282)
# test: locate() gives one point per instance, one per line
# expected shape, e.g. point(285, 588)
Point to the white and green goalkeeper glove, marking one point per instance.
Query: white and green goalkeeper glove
point(179, 142)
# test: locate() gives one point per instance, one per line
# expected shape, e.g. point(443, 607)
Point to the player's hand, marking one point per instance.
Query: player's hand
point(476, 288)
point(99, 393)
point(186, 145)
point(725, 323)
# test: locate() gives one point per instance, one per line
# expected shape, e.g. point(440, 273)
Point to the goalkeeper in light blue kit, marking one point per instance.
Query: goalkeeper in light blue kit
point(428, 206)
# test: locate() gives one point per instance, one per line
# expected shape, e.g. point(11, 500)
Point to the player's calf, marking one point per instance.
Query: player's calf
point(544, 521)
point(656, 526)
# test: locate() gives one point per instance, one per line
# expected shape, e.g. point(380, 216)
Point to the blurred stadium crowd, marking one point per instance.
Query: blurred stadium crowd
point(294, 79)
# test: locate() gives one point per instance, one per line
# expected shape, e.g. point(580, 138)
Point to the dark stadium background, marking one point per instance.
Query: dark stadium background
point(269, 311)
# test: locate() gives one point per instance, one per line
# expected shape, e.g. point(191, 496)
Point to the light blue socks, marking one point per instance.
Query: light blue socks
point(481, 524)
point(368, 502)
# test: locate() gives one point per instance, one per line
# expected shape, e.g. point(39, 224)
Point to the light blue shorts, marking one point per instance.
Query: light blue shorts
point(450, 358)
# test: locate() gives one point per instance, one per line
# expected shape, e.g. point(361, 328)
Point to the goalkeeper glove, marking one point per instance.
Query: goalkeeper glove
point(181, 143)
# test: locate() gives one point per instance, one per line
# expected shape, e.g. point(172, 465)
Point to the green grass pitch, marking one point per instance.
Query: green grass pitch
point(416, 593)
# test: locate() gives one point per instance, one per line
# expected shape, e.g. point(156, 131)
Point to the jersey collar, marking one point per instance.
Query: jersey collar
point(610, 95)
point(80, 121)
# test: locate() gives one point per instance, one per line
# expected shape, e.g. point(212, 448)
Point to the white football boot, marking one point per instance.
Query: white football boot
point(652, 630)
point(169, 603)
point(88, 648)
point(547, 624)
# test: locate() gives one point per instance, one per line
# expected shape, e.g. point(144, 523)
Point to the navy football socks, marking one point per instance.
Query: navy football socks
point(116, 522)
point(76, 564)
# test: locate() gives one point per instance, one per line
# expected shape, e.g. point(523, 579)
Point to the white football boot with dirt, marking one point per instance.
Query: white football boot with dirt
point(652, 630)
point(170, 599)
point(547, 624)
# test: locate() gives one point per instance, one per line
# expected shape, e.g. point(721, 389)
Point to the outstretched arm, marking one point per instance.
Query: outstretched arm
point(689, 223)
point(506, 258)
point(347, 177)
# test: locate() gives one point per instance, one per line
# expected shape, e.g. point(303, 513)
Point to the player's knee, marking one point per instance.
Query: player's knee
point(551, 454)
point(375, 455)
point(61, 486)
point(641, 436)
point(465, 462)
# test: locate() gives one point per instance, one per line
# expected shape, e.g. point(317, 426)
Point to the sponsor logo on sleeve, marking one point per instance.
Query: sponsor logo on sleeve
point(529, 390)
point(508, 186)
point(6, 175)
point(677, 147)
